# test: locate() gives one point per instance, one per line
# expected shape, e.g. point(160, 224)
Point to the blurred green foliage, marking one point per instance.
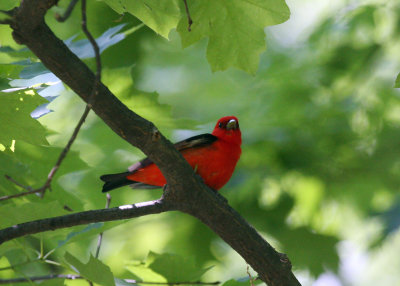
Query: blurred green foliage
point(319, 174)
point(94, 270)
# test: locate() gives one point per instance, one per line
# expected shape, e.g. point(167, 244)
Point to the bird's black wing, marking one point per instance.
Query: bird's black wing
point(196, 141)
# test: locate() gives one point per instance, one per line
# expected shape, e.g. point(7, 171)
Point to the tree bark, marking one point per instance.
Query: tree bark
point(117, 213)
point(185, 191)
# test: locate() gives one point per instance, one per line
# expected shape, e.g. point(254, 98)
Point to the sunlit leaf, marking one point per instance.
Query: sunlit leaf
point(6, 5)
point(16, 122)
point(161, 16)
point(30, 166)
point(235, 30)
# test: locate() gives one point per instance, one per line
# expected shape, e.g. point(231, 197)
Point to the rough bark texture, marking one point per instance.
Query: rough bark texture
point(186, 192)
point(118, 213)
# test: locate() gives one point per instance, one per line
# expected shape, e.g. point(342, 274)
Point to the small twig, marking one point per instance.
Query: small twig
point(18, 184)
point(67, 13)
point(9, 20)
point(66, 149)
point(40, 278)
point(47, 184)
point(28, 188)
point(190, 21)
point(251, 277)
point(6, 22)
point(100, 239)
point(8, 13)
point(96, 49)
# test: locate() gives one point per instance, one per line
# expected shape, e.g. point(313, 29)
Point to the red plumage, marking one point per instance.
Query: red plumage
point(212, 156)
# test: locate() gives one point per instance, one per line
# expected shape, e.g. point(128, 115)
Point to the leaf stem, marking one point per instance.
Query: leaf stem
point(67, 13)
point(190, 21)
point(100, 239)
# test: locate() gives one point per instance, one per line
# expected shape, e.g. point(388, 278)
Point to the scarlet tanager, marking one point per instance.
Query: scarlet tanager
point(212, 156)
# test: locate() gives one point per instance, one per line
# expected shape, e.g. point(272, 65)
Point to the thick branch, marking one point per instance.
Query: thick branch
point(186, 192)
point(118, 213)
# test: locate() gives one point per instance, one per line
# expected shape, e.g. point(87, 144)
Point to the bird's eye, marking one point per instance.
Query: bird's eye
point(220, 125)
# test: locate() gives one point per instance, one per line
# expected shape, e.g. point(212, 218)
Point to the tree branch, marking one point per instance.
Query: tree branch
point(102, 215)
point(185, 191)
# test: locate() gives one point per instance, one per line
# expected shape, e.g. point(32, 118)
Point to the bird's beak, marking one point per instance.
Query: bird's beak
point(232, 124)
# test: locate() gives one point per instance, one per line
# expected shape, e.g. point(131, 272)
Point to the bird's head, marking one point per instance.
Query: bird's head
point(227, 128)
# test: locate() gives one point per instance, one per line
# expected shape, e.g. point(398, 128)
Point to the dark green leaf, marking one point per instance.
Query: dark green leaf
point(172, 267)
point(245, 281)
point(94, 270)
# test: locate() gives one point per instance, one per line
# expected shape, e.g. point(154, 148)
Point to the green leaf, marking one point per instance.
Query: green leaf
point(322, 248)
point(397, 82)
point(172, 267)
point(30, 165)
point(53, 282)
point(10, 70)
point(16, 122)
point(74, 234)
point(147, 104)
point(87, 231)
point(29, 212)
point(141, 272)
point(160, 16)
point(6, 5)
point(239, 282)
point(94, 270)
point(235, 29)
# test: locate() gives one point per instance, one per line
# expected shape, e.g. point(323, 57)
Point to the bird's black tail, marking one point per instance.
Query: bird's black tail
point(113, 181)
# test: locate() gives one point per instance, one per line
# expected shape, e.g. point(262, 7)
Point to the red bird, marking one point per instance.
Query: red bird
point(212, 156)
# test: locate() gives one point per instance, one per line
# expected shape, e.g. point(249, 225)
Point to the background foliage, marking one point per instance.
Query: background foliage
point(319, 174)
